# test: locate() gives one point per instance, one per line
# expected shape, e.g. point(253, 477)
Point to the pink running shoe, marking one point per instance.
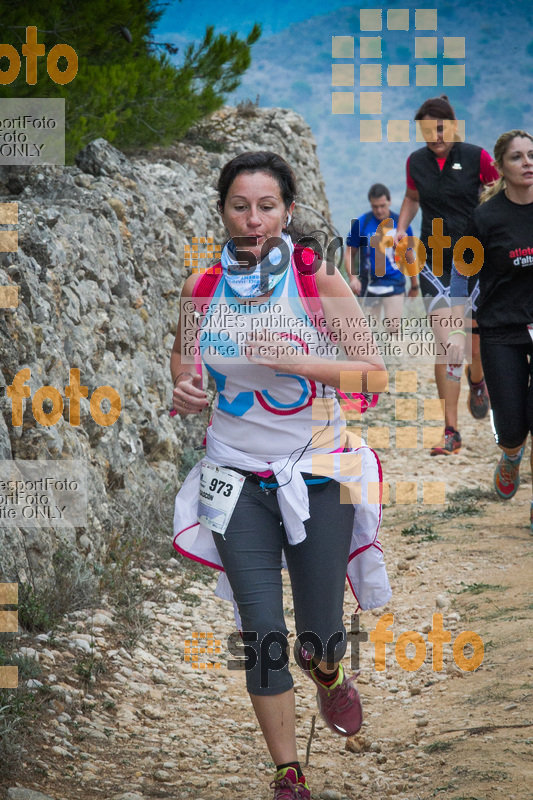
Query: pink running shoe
point(340, 704)
point(288, 787)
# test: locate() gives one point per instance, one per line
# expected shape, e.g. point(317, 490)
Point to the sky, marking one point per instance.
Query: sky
point(190, 18)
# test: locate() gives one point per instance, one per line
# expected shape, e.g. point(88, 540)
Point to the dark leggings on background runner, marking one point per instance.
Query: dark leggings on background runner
point(508, 370)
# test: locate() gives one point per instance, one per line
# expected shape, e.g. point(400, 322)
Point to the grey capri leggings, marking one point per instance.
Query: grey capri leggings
point(251, 556)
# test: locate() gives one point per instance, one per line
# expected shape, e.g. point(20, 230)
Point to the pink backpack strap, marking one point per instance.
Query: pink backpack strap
point(305, 261)
point(208, 281)
point(204, 289)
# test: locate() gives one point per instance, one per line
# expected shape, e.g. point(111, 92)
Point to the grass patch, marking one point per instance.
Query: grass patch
point(40, 609)
point(417, 530)
point(248, 108)
point(437, 747)
point(460, 510)
point(141, 529)
point(75, 586)
point(466, 501)
point(33, 614)
point(18, 707)
point(190, 599)
point(27, 667)
point(129, 594)
point(89, 669)
point(466, 797)
point(479, 588)
point(489, 775)
point(141, 538)
point(209, 144)
point(425, 533)
point(493, 693)
point(503, 614)
point(472, 493)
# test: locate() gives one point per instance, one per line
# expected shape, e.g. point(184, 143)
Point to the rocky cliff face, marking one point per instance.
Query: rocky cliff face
point(100, 266)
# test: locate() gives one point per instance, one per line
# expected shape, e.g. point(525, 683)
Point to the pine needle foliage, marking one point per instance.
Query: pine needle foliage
point(127, 88)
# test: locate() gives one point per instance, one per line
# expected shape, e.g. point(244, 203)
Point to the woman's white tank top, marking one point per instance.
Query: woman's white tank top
point(259, 410)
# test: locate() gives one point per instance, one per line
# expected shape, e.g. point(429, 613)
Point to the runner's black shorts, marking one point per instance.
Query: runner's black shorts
point(436, 291)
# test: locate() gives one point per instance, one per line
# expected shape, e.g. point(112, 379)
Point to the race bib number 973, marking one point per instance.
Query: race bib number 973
point(219, 491)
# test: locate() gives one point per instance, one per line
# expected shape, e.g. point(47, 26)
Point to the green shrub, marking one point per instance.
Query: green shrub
point(126, 89)
point(75, 586)
point(18, 707)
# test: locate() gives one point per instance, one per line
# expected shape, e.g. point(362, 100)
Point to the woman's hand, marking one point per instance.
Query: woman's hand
point(188, 396)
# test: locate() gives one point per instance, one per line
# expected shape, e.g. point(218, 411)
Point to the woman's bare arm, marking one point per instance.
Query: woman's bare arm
point(188, 396)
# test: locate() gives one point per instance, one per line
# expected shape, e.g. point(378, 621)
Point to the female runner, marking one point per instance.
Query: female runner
point(503, 223)
point(277, 436)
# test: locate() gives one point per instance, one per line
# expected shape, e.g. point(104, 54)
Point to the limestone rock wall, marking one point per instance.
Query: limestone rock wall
point(100, 267)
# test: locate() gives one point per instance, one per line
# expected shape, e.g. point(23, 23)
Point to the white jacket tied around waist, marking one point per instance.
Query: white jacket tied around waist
point(357, 470)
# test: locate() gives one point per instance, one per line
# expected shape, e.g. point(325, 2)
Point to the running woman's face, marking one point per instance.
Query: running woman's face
point(436, 142)
point(254, 208)
point(517, 167)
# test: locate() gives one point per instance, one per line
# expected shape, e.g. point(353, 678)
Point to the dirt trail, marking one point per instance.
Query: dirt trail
point(155, 727)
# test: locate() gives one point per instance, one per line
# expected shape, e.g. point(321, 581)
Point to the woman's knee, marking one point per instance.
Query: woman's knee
point(265, 660)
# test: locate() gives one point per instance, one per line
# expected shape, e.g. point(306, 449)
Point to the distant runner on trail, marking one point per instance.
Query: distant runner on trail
point(504, 226)
point(380, 292)
point(444, 179)
point(283, 481)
